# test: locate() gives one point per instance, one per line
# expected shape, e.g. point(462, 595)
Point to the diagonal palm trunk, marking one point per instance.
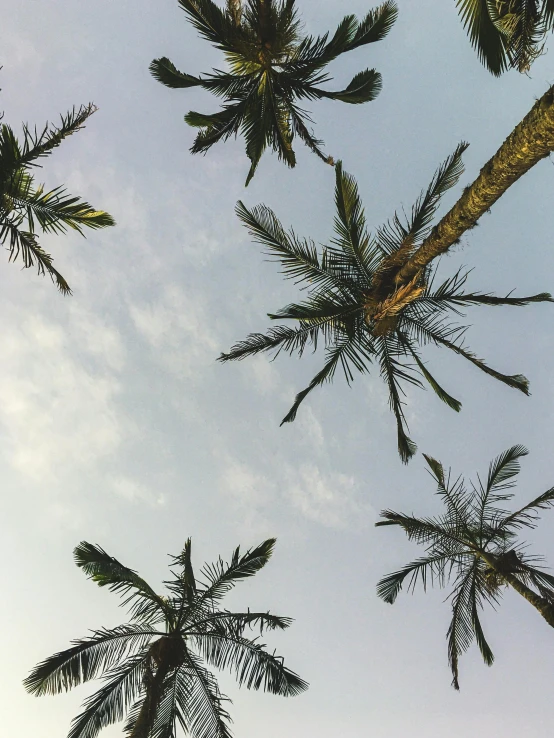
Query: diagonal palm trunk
point(539, 603)
point(530, 141)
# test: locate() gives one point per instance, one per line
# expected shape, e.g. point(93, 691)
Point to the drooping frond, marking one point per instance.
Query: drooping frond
point(167, 73)
point(87, 658)
point(427, 568)
point(201, 702)
point(110, 703)
point(485, 37)
point(251, 664)
point(107, 571)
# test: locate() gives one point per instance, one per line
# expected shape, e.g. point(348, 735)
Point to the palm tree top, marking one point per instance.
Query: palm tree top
point(26, 208)
point(357, 305)
point(507, 33)
point(271, 67)
point(154, 667)
point(474, 544)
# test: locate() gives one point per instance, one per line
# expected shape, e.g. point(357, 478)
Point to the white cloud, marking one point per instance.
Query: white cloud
point(330, 499)
point(58, 413)
point(132, 491)
point(177, 328)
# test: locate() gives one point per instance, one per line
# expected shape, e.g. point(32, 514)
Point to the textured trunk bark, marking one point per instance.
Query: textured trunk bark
point(538, 602)
point(147, 714)
point(530, 141)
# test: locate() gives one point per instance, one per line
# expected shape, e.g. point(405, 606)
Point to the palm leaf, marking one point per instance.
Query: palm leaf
point(167, 73)
point(107, 571)
point(86, 659)
point(485, 38)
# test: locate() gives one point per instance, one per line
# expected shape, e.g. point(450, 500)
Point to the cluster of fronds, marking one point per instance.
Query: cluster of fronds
point(474, 544)
point(156, 664)
point(271, 68)
point(356, 306)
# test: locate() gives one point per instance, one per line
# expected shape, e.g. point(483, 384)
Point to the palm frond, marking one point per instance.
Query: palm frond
point(107, 571)
point(461, 632)
point(485, 37)
point(109, 704)
point(86, 658)
point(527, 516)
point(25, 244)
point(252, 665)
point(167, 73)
point(364, 87)
point(427, 567)
point(343, 352)
point(200, 701)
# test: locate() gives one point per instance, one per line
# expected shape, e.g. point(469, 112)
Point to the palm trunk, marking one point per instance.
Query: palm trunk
point(530, 141)
point(235, 10)
point(539, 603)
point(147, 714)
point(263, 6)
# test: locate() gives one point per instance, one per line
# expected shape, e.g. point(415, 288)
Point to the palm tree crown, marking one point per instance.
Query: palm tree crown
point(475, 544)
point(154, 667)
point(507, 33)
point(356, 305)
point(24, 207)
point(271, 67)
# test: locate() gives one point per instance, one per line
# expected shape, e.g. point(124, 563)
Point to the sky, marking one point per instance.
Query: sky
point(117, 425)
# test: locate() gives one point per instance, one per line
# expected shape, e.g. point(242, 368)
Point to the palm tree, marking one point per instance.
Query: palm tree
point(154, 668)
point(271, 67)
point(531, 141)
point(26, 208)
point(474, 544)
point(354, 305)
point(507, 33)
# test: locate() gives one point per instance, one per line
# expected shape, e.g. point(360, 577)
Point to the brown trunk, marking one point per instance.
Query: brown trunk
point(235, 10)
point(539, 603)
point(265, 35)
point(530, 141)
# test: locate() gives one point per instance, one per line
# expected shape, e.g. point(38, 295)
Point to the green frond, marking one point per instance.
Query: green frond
point(376, 25)
point(427, 568)
point(364, 87)
point(440, 392)
point(54, 211)
point(527, 516)
point(86, 658)
point(107, 571)
point(461, 632)
point(32, 254)
point(504, 468)
point(200, 701)
point(485, 37)
point(110, 703)
point(167, 73)
point(343, 353)
point(251, 664)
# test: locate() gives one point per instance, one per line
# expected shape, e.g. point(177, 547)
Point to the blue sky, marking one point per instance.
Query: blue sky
point(117, 426)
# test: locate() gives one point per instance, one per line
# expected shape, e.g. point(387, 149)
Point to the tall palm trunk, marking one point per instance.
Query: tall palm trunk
point(530, 141)
point(265, 34)
point(539, 603)
point(154, 692)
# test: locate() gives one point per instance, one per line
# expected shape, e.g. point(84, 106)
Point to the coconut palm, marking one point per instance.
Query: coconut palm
point(26, 208)
point(355, 306)
point(507, 33)
point(155, 667)
point(271, 67)
point(474, 544)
